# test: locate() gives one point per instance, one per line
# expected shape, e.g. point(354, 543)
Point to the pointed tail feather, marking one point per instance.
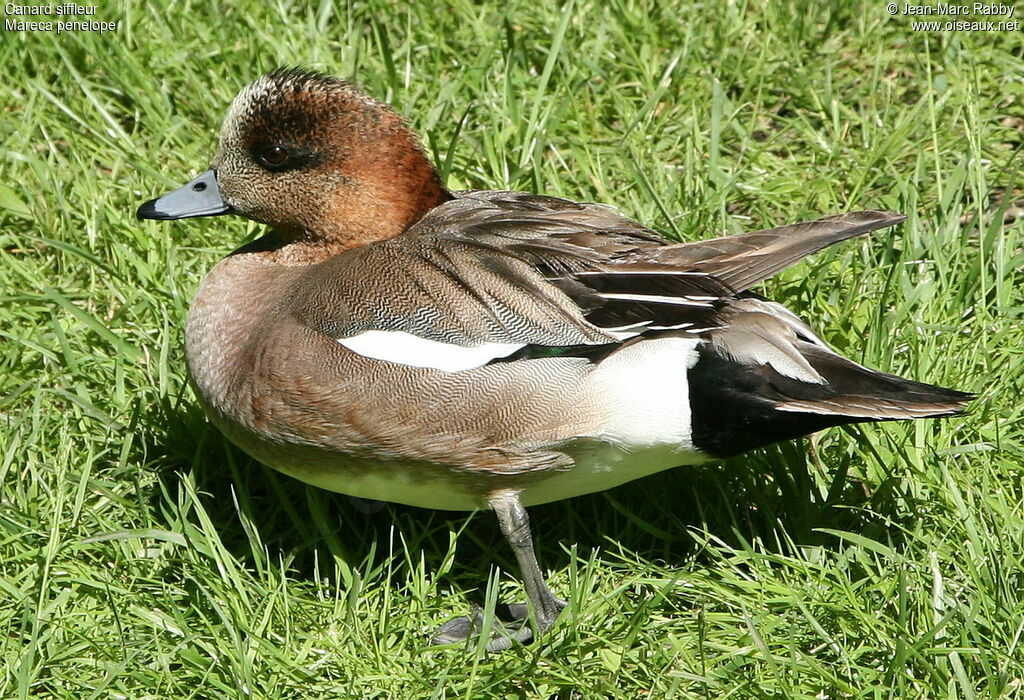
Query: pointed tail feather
point(858, 393)
point(740, 402)
point(744, 260)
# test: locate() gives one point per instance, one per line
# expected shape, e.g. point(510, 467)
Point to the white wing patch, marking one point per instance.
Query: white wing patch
point(408, 349)
point(704, 302)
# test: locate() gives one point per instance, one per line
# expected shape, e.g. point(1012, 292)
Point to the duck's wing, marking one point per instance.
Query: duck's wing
point(490, 273)
point(744, 260)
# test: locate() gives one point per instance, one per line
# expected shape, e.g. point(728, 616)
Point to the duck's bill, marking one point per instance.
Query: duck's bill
point(201, 197)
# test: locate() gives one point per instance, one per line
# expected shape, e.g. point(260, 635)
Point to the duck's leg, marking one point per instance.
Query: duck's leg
point(515, 525)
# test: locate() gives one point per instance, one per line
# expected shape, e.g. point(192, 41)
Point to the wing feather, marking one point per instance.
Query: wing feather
point(510, 270)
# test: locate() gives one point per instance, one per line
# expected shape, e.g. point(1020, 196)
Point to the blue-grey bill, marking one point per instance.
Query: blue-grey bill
point(201, 197)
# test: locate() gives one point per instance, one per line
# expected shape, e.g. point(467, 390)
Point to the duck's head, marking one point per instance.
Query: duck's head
point(314, 158)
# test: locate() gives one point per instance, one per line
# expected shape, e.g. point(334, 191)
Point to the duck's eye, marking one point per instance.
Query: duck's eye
point(279, 158)
point(273, 156)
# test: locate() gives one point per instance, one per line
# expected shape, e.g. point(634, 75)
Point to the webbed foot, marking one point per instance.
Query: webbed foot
point(512, 625)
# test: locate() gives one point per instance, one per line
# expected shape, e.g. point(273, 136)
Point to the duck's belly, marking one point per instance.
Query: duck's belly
point(603, 467)
point(414, 484)
point(397, 484)
point(598, 466)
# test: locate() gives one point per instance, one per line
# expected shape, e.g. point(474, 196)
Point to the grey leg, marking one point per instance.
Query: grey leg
point(515, 525)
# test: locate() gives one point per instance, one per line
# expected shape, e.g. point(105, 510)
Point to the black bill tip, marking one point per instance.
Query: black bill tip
point(201, 197)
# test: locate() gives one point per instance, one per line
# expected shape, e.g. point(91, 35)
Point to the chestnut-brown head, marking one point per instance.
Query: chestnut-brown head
point(316, 159)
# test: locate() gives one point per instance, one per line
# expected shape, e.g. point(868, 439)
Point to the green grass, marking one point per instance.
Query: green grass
point(143, 557)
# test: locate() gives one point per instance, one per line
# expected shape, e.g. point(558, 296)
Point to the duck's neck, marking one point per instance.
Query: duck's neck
point(391, 185)
point(386, 185)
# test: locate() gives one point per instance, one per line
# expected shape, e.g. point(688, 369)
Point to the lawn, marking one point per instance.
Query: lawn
point(141, 556)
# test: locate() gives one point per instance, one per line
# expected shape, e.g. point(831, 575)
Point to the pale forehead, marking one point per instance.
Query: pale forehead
point(258, 91)
point(275, 87)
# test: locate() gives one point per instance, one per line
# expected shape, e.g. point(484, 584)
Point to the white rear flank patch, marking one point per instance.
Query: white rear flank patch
point(408, 349)
point(646, 425)
point(644, 386)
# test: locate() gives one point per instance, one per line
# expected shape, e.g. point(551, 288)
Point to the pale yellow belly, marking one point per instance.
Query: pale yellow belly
point(598, 466)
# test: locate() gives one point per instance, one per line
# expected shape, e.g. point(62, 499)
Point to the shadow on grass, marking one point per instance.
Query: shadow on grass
point(778, 497)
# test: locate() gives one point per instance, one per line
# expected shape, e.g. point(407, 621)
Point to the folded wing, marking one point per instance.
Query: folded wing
point(490, 273)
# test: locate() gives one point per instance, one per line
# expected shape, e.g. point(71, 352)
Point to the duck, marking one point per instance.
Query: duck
point(389, 339)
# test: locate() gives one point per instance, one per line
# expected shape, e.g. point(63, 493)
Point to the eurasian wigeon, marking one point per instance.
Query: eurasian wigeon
point(392, 340)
